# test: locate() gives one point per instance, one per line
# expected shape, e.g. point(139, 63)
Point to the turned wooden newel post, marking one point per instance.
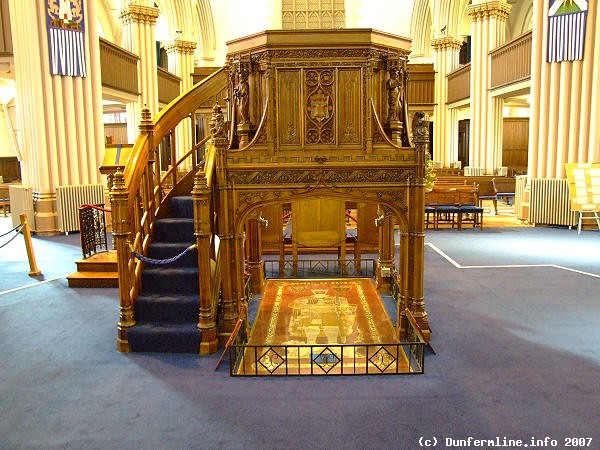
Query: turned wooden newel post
point(416, 233)
point(121, 231)
point(146, 127)
point(225, 227)
point(202, 230)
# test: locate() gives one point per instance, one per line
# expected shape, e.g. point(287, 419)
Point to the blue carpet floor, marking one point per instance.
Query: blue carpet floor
point(518, 356)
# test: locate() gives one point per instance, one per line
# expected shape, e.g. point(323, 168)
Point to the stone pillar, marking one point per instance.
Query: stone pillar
point(445, 57)
point(565, 101)
point(181, 63)
point(139, 23)
point(488, 30)
point(59, 118)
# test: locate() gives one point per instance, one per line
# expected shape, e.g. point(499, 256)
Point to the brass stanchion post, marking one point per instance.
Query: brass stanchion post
point(34, 271)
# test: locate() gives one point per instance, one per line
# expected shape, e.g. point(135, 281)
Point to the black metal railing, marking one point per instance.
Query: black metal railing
point(396, 291)
point(400, 358)
point(320, 268)
point(92, 226)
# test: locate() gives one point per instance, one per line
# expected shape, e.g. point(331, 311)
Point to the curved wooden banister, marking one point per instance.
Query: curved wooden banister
point(261, 125)
point(143, 191)
point(380, 127)
point(166, 120)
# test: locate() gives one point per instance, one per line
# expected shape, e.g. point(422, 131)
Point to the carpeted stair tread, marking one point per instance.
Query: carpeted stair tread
point(174, 229)
point(170, 280)
point(167, 308)
point(182, 206)
point(164, 338)
point(166, 250)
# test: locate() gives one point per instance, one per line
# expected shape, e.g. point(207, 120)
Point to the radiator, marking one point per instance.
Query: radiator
point(549, 202)
point(70, 198)
point(473, 171)
point(21, 202)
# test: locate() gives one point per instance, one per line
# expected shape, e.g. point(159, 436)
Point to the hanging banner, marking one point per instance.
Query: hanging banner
point(566, 30)
point(66, 37)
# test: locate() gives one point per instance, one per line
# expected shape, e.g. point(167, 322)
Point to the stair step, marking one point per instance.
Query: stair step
point(99, 262)
point(170, 280)
point(182, 206)
point(161, 338)
point(167, 308)
point(94, 279)
point(174, 229)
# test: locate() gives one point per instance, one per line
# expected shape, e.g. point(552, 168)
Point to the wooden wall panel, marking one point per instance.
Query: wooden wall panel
point(289, 125)
point(515, 142)
point(511, 62)
point(6, 46)
point(421, 84)
point(459, 84)
point(10, 169)
point(349, 106)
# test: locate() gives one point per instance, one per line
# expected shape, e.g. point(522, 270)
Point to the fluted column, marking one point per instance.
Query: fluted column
point(565, 101)
point(445, 54)
point(139, 23)
point(59, 118)
point(488, 31)
point(181, 63)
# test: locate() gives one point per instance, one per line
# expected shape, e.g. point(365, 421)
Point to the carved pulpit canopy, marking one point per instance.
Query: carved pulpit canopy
point(323, 87)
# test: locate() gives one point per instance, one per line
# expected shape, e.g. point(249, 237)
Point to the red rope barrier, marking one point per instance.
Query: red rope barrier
point(95, 207)
point(351, 217)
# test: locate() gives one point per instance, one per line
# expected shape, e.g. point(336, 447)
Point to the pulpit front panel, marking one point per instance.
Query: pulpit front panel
point(320, 107)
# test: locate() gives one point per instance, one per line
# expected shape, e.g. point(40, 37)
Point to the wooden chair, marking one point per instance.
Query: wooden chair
point(468, 208)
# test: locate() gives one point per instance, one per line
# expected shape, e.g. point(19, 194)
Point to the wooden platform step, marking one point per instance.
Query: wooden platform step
point(94, 279)
point(96, 271)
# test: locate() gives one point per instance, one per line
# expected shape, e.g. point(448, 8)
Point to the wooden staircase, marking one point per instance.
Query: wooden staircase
point(96, 271)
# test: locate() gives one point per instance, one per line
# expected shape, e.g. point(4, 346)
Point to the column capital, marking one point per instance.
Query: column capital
point(180, 47)
point(485, 10)
point(446, 43)
point(139, 14)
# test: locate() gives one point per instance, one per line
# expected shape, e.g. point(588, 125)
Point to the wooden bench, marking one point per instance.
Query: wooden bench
point(505, 188)
point(490, 187)
point(456, 204)
point(4, 200)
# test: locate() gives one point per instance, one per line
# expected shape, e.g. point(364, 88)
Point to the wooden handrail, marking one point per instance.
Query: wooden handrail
point(380, 127)
point(141, 191)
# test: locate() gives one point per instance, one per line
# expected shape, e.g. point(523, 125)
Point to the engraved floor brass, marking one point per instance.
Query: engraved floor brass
point(322, 325)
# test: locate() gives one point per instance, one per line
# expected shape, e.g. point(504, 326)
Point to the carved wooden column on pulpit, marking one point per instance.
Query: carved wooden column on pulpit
point(416, 227)
point(385, 262)
point(253, 246)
